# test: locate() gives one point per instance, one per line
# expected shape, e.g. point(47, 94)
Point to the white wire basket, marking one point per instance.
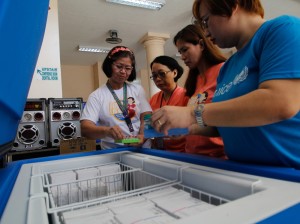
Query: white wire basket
point(87, 194)
point(98, 183)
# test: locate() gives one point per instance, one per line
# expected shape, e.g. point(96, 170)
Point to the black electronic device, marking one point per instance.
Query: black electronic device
point(32, 130)
point(64, 119)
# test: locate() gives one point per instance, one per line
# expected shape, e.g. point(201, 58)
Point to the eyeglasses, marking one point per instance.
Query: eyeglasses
point(204, 22)
point(127, 68)
point(160, 74)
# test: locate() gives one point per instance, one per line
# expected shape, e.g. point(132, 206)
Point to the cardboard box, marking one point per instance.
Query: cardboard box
point(77, 145)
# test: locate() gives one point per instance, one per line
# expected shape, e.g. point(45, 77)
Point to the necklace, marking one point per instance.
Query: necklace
point(162, 97)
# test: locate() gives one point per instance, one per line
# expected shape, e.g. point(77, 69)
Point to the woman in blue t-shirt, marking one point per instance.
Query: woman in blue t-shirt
point(257, 100)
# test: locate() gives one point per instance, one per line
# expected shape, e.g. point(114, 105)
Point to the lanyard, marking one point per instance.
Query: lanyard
point(123, 107)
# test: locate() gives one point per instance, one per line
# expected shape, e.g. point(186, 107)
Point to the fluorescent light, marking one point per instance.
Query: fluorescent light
point(94, 49)
point(147, 4)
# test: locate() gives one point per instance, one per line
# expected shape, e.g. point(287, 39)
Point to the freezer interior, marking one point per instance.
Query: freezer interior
point(127, 187)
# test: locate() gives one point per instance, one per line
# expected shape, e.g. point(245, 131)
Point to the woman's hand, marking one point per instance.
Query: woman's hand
point(115, 132)
point(169, 117)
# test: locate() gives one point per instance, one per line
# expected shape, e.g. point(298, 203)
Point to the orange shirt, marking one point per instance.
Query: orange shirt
point(178, 98)
point(198, 144)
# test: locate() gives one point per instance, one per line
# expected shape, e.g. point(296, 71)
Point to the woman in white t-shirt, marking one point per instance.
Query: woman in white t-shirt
point(115, 110)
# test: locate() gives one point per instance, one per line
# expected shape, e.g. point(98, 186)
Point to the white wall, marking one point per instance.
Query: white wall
point(46, 81)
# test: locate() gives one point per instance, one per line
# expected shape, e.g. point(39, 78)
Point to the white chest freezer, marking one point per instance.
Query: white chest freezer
point(127, 186)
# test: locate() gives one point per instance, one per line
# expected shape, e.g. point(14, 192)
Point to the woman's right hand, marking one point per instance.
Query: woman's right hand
point(115, 132)
point(169, 117)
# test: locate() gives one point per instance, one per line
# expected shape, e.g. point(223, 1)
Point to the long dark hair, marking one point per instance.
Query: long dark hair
point(171, 63)
point(115, 54)
point(211, 54)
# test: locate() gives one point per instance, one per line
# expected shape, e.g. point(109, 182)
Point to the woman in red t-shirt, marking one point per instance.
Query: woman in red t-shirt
point(165, 73)
point(204, 60)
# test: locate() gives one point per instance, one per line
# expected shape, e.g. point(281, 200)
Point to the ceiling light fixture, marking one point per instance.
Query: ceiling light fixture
point(93, 49)
point(147, 4)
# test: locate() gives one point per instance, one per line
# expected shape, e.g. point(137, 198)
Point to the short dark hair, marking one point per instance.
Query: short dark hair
point(115, 54)
point(171, 63)
point(225, 7)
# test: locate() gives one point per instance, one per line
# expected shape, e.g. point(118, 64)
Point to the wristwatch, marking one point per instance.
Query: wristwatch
point(199, 109)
